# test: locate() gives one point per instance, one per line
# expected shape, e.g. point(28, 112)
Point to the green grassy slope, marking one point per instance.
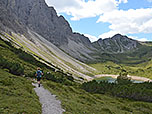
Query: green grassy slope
point(49, 53)
point(16, 92)
point(17, 95)
point(77, 101)
point(137, 63)
point(17, 68)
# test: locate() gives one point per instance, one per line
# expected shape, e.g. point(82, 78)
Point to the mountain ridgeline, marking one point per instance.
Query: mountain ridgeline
point(33, 35)
point(22, 16)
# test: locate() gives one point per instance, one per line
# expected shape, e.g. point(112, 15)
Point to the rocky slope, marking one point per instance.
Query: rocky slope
point(36, 28)
point(21, 16)
point(116, 44)
point(37, 16)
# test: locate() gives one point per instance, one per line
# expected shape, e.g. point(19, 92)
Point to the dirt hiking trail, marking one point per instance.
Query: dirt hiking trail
point(50, 105)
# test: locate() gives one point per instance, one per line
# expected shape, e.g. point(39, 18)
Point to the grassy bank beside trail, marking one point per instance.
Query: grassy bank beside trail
point(16, 91)
point(77, 101)
point(17, 95)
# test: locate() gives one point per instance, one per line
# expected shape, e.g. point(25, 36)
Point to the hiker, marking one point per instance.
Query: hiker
point(38, 75)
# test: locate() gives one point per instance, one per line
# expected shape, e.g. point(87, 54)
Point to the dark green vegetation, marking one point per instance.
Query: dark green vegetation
point(138, 62)
point(12, 67)
point(17, 95)
point(18, 62)
point(141, 55)
point(122, 87)
point(17, 68)
point(77, 101)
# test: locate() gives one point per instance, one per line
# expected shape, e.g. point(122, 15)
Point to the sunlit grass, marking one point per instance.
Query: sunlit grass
point(77, 101)
point(17, 95)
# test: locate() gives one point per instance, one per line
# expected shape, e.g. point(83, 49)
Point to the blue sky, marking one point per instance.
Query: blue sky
point(104, 18)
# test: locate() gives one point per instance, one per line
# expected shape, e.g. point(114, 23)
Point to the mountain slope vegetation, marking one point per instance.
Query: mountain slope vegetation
point(17, 71)
point(19, 91)
point(17, 95)
point(137, 63)
point(44, 39)
point(77, 101)
point(16, 92)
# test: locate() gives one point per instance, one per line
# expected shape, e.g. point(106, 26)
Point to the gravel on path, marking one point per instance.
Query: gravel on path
point(50, 105)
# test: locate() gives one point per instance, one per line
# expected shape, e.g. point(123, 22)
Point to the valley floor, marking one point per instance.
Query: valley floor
point(132, 77)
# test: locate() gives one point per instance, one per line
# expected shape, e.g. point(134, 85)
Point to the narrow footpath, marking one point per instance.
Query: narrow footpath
point(50, 105)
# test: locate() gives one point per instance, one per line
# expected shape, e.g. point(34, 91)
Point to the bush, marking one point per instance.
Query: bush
point(59, 77)
point(30, 74)
point(13, 67)
point(123, 78)
point(16, 68)
point(135, 91)
point(26, 57)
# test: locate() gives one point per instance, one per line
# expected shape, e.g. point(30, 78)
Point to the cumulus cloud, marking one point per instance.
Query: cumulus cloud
point(92, 38)
point(121, 21)
point(149, 0)
point(139, 39)
point(129, 22)
point(81, 9)
point(60, 5)
point(124, 1)
point(142, 39)
point(108, 34)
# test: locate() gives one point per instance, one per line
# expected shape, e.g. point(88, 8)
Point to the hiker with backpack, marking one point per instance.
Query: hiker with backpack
point(38, 75)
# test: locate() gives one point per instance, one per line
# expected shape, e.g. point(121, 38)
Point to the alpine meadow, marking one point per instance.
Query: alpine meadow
point(108, 76)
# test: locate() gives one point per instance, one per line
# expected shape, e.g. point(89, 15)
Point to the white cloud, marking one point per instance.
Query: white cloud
point(108, 34)
point(129, 22)
point(112, 33)
point(62, 4)
point(149, 0)
point(142, 39)
point(122, 21)
point(92, 38)
point(139, 39)
point(124, 1)
point(80, 9)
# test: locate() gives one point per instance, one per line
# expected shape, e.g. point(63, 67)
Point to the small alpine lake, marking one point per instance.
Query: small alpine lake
point(112, 80)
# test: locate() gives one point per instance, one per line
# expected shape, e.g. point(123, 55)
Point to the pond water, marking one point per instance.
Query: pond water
point(112, 80)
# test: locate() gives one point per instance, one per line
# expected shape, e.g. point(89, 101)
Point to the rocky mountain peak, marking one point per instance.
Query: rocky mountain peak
point(116, 44)
point(117, 36)
point(22, 16)
point(37, 16)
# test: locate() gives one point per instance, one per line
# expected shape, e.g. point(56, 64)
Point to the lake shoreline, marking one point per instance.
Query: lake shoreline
point(132, 77)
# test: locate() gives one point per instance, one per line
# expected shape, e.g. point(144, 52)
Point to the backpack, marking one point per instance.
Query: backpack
point(38, 73)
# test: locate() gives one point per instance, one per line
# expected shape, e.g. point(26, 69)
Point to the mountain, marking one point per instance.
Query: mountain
point(37, 28)
point(19, 90)
point(116, 44)
point(21, 15)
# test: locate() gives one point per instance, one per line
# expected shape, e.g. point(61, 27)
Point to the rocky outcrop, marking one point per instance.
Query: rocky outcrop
point(37, 16)
point(116, 44)
point(21, 16)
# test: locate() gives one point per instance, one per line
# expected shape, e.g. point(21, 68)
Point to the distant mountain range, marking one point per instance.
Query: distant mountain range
point(22, 16)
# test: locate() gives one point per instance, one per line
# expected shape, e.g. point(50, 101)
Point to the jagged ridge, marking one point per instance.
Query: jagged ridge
point(21, 16)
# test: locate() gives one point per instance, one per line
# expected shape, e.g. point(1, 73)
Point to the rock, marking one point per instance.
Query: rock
point(20, 16)
point(116, 44)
